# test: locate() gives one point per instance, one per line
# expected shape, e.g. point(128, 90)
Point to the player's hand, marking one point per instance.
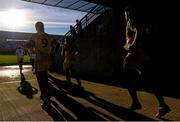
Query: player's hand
point(126, 46)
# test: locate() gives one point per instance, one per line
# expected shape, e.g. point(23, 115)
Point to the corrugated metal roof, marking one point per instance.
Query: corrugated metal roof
point(79, 5)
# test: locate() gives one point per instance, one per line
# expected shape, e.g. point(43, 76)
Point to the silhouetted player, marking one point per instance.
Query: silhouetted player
point(134, 60)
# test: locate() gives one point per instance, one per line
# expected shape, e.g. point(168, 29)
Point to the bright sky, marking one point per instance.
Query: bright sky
point(20, 16)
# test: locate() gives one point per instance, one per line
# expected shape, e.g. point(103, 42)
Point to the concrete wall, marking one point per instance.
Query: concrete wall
point(99, 52)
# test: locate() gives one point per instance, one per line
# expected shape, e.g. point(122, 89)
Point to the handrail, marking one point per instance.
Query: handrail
point(87, 19)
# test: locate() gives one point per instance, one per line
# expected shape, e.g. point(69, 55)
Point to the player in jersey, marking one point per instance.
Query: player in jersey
point(134, 62)
point(43, 43)
point(20, 55)
point(70, 52)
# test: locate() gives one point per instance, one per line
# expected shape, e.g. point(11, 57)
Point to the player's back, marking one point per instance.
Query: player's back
point(43, 43)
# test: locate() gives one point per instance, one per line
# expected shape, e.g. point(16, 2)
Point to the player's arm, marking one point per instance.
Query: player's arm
point(30, 43)
point(54, 47)
point(63, 51)
point(76, 51)
point(133, 38)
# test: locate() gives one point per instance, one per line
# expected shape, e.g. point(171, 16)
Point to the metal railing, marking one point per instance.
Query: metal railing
point(87, 19)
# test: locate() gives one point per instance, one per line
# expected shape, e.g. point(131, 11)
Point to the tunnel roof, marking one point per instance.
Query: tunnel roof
point(79, 5)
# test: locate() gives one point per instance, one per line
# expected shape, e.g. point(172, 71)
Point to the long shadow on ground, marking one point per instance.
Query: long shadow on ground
point(80, 112)
point(166, 83)
point(61, 91)
point(26, 89)
point(56, 112)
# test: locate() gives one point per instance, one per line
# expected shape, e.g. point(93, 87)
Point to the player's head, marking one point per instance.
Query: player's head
point(127, 12)
point(67, 40)
point(39, 26)
point(77, 20)
point(131, 12)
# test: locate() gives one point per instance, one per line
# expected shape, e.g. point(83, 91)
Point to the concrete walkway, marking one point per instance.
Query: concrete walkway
point(93, 101)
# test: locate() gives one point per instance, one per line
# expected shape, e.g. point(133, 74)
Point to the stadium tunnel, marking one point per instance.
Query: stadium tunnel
point(101, 41)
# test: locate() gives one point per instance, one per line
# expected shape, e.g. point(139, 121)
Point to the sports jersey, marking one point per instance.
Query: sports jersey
point(69, 55)
point(42, 43)
point(20, 53)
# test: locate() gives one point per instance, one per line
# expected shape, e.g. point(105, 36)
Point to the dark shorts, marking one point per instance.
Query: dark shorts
point(134, 61)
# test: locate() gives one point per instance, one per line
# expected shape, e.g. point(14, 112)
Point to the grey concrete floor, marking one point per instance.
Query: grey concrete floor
point(93, 101)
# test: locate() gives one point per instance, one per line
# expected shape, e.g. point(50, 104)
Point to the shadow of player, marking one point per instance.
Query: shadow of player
point(25, 88)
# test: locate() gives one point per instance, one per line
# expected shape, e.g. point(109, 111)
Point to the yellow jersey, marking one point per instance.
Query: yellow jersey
point(43, 46)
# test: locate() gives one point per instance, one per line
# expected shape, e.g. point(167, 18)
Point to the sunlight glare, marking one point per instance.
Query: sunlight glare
point(13, 18)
